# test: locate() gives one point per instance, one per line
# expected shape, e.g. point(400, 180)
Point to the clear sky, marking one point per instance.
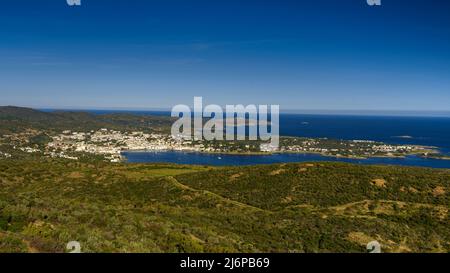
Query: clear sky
point(315, 54)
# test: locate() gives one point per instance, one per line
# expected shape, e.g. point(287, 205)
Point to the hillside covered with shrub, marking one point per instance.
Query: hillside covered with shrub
point(315, 207)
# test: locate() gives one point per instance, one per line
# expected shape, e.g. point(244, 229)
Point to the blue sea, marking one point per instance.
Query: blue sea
point(428, 131)
point(243, 160)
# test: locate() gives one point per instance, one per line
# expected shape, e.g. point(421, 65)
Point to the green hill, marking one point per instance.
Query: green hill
point(317, 207)
point(18, 119)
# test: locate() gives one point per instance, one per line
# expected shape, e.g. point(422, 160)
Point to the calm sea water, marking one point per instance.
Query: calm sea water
point(242, 160)
point(428, 131)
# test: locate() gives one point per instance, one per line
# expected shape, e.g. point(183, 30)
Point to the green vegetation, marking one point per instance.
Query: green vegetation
point(317, 207)
point(18, 119)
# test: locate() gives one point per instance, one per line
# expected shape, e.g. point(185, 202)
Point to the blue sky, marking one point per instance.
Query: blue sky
point(316, 54)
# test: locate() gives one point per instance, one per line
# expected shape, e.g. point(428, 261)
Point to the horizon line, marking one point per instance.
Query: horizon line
point(344, 112)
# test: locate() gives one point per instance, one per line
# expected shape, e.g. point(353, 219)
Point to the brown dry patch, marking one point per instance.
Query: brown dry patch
point(413, 190)
point(302, 170)
point(286, 200)
point(309, 165)
point(438, 191)
point(235, 176)
point(277, 172)
point(360, 238)
point(381, 183)
point(67, 189)
point(442, 213)
point(75, 175)
point(40, 224)
point(186, 198)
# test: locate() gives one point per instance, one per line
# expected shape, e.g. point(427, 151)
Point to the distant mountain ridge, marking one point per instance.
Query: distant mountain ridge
point(15, 112)
point(16, 119)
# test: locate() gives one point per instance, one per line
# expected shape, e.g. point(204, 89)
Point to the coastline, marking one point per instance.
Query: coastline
point(214, 159)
